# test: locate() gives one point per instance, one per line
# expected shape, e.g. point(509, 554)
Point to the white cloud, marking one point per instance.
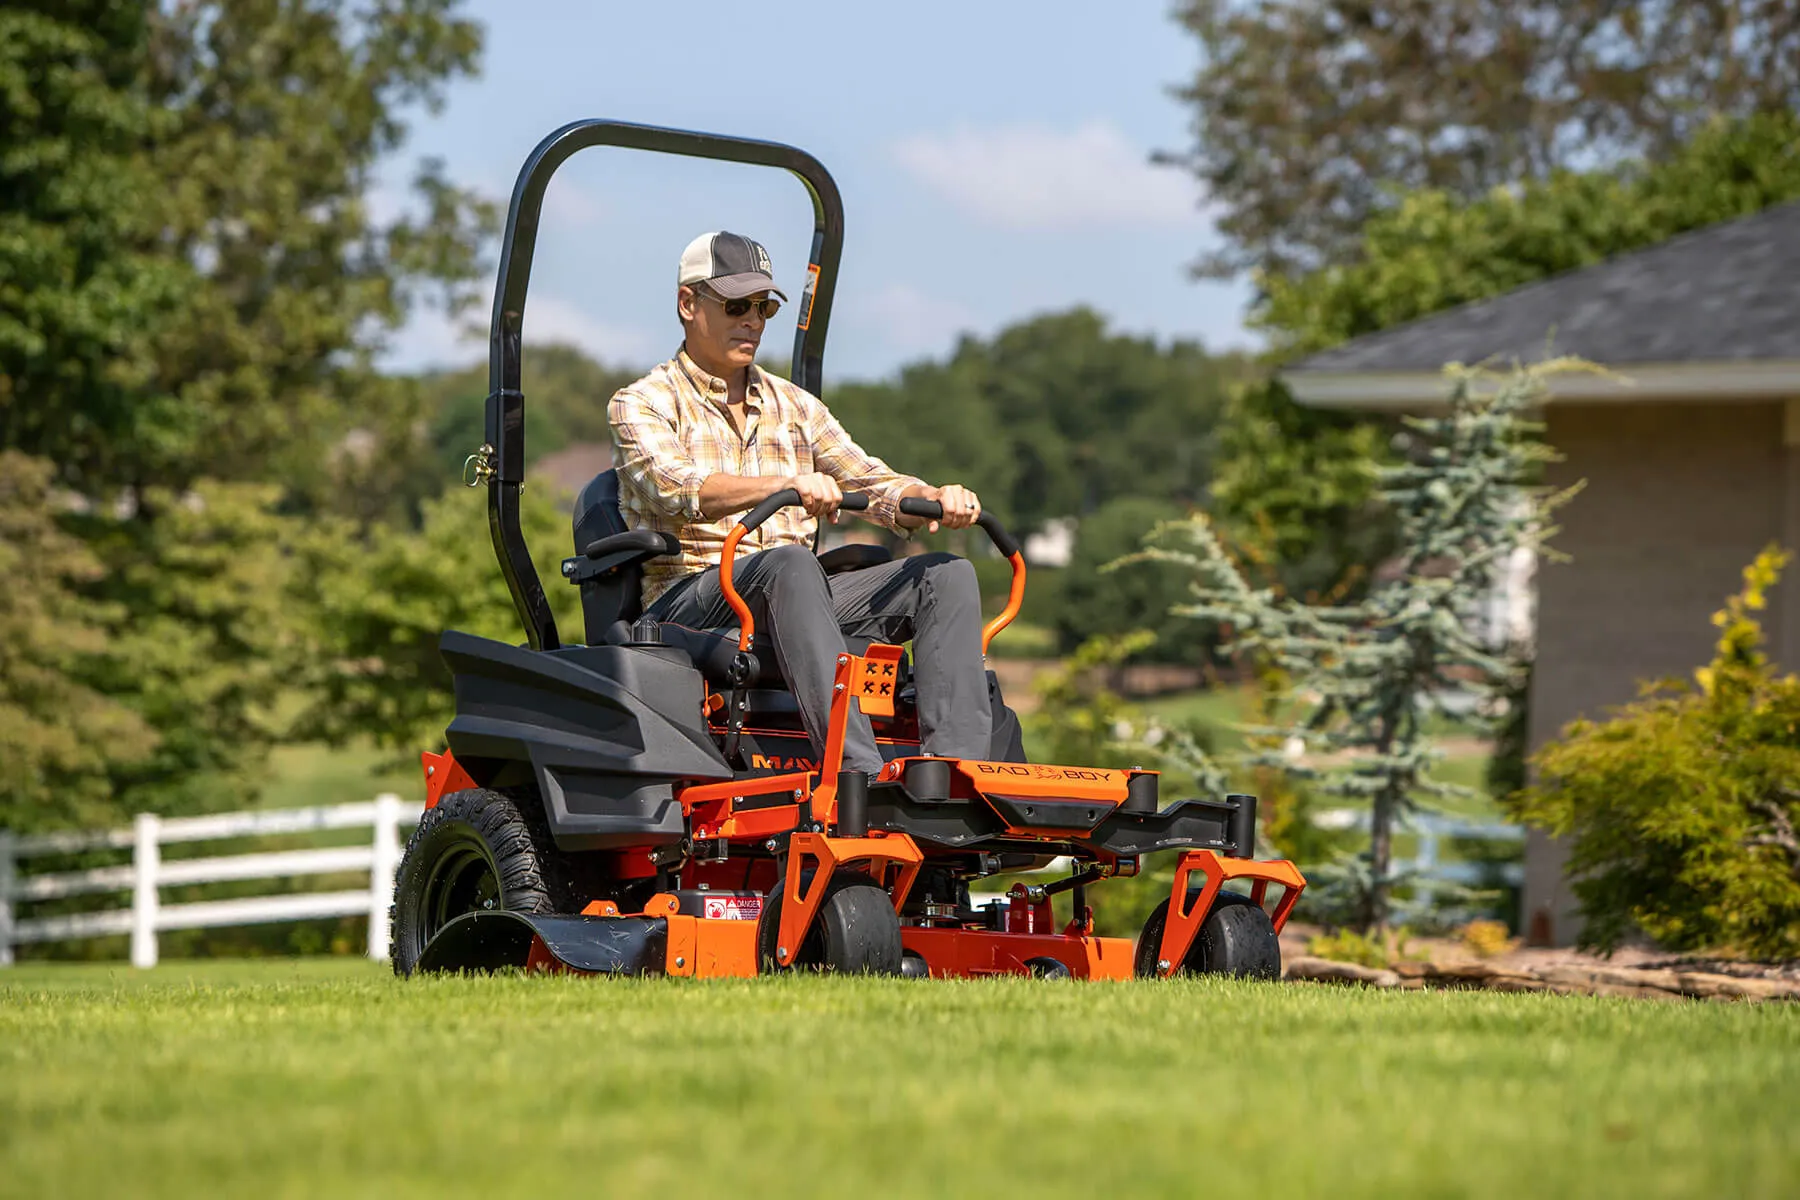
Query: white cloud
point(432, 340)
point(567, 203)
point(1034, 177)
point(553, 319)
point(907, 321)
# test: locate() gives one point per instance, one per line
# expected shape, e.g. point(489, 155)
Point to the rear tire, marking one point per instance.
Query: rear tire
point(1237, 938)
point(855, 932)
point(477, 850)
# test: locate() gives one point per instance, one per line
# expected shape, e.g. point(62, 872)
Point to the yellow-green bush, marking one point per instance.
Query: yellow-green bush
point(1681, 808)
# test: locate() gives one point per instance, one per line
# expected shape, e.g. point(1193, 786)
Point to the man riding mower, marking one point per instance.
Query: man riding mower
point(687, 794)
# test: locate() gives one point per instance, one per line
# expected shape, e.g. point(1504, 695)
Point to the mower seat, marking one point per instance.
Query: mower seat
point(612, 599)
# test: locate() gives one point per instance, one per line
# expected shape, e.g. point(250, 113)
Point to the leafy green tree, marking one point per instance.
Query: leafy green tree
point(1097, 602)
point(377, 606)
point(1681, 808)
point(1052, 417)
point(62, 740)
point(566, 394)
point(1434, 249)
point(1309, 114)
point(197, 287)
point(1295, 492)
point(83, 285)
point(193, 290)
point(1293, 486)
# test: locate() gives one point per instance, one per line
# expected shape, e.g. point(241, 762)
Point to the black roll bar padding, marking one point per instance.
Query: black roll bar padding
point(852, 804)
point(1240, 827)
point(931, 510)
point(772, 504)
point(505, 402)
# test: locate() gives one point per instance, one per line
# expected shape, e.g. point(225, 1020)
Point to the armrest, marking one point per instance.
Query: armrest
point(854, 557)
point(608, 554)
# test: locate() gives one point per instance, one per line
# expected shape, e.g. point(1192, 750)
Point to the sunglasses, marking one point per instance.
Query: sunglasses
point(768, 306)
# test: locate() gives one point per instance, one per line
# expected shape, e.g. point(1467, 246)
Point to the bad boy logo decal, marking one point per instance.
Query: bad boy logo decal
point(762, 259)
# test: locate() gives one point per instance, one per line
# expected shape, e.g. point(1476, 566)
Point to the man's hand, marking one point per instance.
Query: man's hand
point(961, 506)
point(819, 494)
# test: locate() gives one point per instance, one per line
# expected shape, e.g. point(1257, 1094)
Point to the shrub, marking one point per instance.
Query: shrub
point(1368, 950)
point(1681, 808)
point(1485, 939)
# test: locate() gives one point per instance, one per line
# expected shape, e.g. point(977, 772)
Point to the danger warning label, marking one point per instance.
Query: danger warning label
point(731, 908)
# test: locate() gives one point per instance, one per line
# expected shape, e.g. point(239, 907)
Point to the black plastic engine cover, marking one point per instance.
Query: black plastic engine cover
point(603, 731)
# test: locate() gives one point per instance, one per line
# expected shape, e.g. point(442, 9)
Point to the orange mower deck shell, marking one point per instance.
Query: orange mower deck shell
point(800, 805)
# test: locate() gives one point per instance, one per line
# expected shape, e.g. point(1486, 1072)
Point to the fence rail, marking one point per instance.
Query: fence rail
point(146, 873)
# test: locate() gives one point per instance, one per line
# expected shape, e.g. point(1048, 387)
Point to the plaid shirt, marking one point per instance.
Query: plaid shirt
point(671, 429)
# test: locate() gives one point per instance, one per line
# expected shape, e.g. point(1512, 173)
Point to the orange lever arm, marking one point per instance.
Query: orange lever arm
point(1015, 598)
point(728, 585)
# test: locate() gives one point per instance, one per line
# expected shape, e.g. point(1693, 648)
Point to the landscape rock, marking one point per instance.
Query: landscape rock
point(1324, 970)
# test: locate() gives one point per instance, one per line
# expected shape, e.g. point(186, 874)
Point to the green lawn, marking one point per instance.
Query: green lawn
point(315, 773)
point(327, 1077)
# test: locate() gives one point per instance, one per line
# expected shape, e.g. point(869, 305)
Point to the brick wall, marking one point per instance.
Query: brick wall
point(1679, 497)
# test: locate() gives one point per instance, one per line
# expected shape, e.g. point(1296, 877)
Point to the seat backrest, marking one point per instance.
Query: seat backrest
point(597, 512)
point(619, 597)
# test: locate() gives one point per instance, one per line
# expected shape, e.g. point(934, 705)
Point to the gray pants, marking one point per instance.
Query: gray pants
point(931, 598)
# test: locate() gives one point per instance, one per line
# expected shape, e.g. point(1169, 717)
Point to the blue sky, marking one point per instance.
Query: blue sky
point(993, 159)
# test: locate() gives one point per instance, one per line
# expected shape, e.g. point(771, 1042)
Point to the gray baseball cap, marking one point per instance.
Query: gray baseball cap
point(729, 263)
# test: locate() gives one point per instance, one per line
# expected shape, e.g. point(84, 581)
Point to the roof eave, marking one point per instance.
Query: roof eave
point(1707, 381)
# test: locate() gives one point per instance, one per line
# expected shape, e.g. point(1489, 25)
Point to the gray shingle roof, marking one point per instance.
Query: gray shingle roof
point(1728, 292)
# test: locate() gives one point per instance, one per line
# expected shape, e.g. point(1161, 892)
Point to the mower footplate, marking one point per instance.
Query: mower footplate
point(493, 941)
point(1186, 824)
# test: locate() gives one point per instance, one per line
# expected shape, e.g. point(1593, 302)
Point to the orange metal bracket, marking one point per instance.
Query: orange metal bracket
point(1183, 923)
point(443, 775)
point(871, 679)
point(799, 907)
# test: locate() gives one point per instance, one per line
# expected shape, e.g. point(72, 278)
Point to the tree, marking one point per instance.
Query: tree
point(1363, 678)
point(566, 394)
point(83, 286)
point(1293, 486)
point(1309, 115)
point(193, 289)
point(61, 739)
point(1432, 249)
point(1052, 417)
point(377, 606)
point(1681, 808)
point(1098, 603)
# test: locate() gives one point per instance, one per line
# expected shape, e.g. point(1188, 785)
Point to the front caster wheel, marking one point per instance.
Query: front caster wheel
point(1237, 938)
point(855, 932)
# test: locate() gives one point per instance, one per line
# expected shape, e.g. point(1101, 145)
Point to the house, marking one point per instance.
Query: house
point(1692, 465)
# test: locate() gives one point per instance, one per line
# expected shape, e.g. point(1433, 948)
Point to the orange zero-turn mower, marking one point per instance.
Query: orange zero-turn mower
point(649, 803)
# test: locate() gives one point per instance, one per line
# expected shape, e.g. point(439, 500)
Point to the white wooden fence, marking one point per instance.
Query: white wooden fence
point(385, 815)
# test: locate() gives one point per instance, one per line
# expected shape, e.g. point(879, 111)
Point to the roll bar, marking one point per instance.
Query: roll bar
point(502, 464)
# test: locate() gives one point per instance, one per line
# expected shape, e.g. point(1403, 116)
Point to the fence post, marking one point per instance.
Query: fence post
point(7, 874)
point(146, 862)
point(381, 871)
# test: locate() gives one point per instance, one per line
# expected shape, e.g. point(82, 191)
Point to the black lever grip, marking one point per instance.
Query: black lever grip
point(852, 502)
point(931, 510)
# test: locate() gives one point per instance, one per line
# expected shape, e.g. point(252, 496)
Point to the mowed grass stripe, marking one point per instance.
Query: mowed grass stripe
point(327, 1077)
